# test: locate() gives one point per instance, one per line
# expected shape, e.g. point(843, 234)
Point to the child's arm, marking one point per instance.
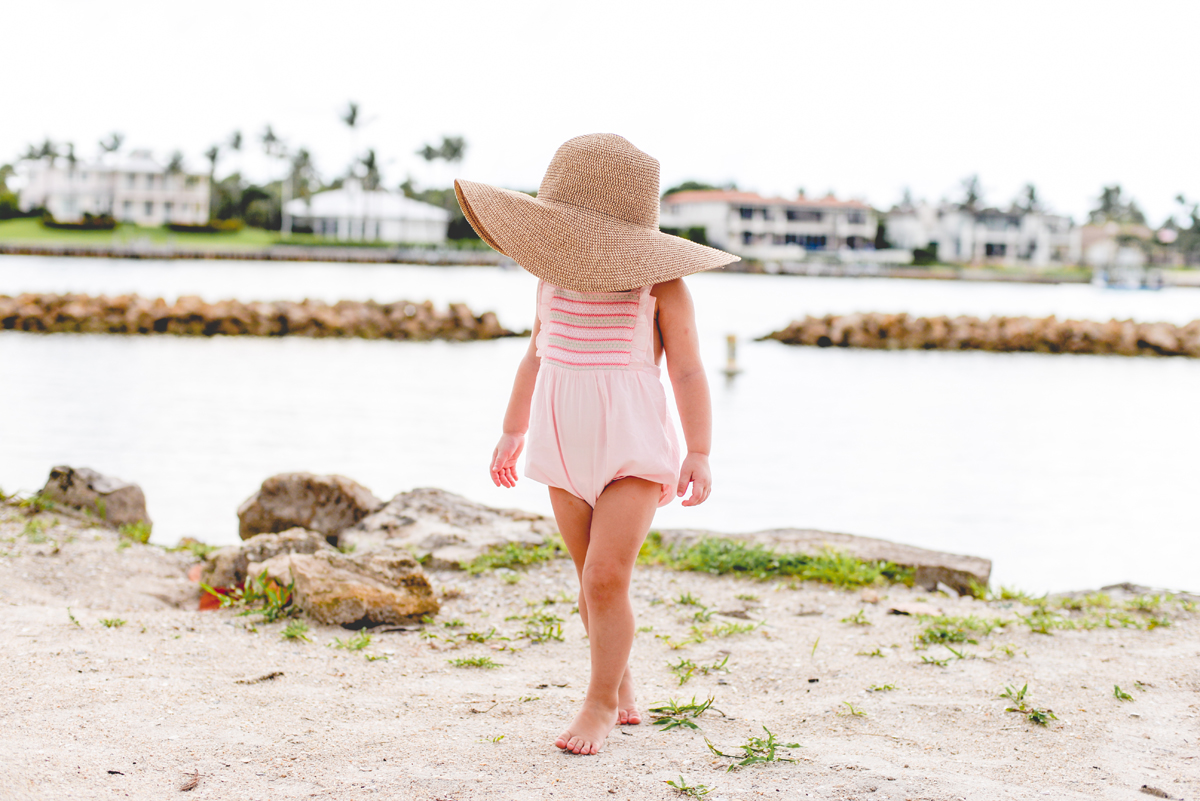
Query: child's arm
point(516, 419)
point(681, 344)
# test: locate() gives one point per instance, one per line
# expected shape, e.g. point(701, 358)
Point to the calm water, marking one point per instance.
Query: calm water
point(1069, 472)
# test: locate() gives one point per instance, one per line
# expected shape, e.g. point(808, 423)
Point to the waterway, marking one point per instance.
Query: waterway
point(1069, 472)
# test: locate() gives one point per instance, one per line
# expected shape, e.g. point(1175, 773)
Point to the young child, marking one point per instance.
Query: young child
point(587, 394)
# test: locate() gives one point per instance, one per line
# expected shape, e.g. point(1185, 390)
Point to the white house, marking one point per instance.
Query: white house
point(354, 213)
point(132, 188)
point(771, 228)
point(986, 236)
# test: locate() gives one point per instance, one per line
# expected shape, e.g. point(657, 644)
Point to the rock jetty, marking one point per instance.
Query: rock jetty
point(192, 316)
point(1000, 334)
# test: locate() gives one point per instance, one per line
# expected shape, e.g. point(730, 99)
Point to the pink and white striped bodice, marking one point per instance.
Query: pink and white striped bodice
point(596, 330)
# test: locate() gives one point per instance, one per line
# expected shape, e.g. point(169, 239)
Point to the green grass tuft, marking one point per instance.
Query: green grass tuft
point(484, 662)
point(513, 556)
point(757, 750)
point(135, 532)
point(720, 556)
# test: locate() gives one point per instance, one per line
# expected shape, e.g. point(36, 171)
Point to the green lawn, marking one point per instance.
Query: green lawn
point(30, 230)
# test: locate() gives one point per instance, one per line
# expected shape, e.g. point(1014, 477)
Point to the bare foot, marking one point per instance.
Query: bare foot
point(627, 711)
point(588, 730)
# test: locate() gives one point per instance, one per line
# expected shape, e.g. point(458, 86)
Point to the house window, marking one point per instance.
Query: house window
point(768, 214)
point(814, 242)
point(856, 218)
point(995, 248)
point(747, 212)
point(127, 208)
point(149, 208)
point(791, 239)
point(168, 207)
point(803, 215)
point(747, 238)
point(131, 179)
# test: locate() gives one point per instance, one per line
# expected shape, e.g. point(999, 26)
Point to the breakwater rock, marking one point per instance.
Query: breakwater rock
point(192, 316)
point(1001, 334)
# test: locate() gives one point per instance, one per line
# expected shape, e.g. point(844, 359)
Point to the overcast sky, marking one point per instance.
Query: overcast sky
point(863, 98)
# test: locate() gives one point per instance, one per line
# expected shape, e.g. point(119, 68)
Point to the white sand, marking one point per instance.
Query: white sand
point(134, 711)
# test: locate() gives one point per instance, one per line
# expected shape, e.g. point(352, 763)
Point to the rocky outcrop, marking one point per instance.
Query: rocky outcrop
point(382, 586)
point(226, 567)
point(956, 571)
point(1001, 334)
point(191, 316)
point(445, 530)
point(112, 500)
point(327, 504)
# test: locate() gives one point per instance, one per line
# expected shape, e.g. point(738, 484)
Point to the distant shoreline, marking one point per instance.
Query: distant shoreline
point(451, 257)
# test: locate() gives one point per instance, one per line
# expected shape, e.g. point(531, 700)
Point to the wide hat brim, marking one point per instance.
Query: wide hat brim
point(577, 248)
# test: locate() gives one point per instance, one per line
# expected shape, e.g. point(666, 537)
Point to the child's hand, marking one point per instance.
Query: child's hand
point(695, 472)
point(504, 460)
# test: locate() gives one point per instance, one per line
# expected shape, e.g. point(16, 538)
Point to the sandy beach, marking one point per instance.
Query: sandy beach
point(218, 705)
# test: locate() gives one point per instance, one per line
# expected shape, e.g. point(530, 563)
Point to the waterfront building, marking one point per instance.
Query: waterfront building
point(960, 235)
point(131, 187)
point(356, 214)
point(770, 228)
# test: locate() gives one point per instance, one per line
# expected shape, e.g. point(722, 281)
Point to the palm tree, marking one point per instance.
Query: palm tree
point(175, 165)
point(212, 154)
point(972, 192)
point(371, 178)
point(113, 143)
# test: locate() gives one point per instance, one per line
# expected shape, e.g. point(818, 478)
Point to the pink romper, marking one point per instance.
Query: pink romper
point(599, 411)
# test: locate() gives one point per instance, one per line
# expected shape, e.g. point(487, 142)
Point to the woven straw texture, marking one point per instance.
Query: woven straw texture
point(593, 226)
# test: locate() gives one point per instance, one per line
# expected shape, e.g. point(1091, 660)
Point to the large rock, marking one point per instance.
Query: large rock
point(227, 567)
point(382, 586)
point(112, 500)
point(954, 570)
point(445, 530)
point(326, 504)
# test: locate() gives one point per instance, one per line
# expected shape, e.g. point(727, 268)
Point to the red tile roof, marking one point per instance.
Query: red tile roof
point(753, 198)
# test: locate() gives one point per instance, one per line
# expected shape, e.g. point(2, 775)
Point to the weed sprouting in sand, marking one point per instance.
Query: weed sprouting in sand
point(35, 530)
point(757, 750)
point(484, 636)
point(295, 630)
point(513, 555)
point(720, 556)
point(71, 617)
point(942, 629)
point(881, 688)
point(492, 739)
point(877, 652)
point(687, 599)
point(1120, 694)
point(689, 790)
point(260, 595)
point(376, 657)
point(198, 549)
point(135, 532)
point(356, 643)
point(484, 662)
point(816, 642)
point(1035, 715)
point(112, 622)
point(929, 660)
point(702, 615)
point(747, 596)
point(851, 711)
point(686, 668)
point(543, 627)
point(859, 618)
point(672, 713)
point(456, 623)
point(37, 502)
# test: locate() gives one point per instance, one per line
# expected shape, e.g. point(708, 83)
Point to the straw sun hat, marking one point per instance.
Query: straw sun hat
point(593, 226)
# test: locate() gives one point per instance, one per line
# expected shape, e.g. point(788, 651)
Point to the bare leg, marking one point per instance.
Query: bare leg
point(619, 523)
point(574, 518)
